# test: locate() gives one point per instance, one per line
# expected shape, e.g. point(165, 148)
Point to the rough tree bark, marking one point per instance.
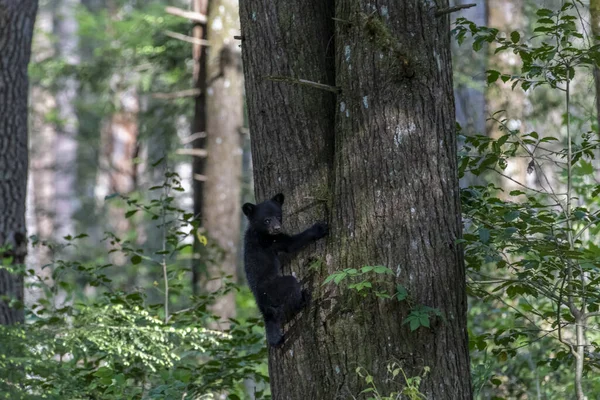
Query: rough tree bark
point(224, 109)
point(16, 31)
point(379, 163)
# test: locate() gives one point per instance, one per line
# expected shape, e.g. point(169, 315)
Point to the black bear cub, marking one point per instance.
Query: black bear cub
point(278, 297)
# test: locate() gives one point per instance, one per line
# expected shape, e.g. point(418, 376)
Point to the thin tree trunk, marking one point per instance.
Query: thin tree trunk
point(469, 89)
point(117, 168)
point(119, 149)
point(16, 31)
point(380, 164)
point(67, 46)
point(41, 167)
point(507, 16)
point(222, 189)
point(199, 126)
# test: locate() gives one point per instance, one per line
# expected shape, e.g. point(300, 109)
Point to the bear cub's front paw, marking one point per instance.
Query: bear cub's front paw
point(320, 229)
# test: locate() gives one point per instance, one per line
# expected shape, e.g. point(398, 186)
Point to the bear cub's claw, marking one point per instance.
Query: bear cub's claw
point(320, 229)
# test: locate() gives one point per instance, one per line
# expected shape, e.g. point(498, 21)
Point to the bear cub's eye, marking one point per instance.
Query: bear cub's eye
point(267, 220)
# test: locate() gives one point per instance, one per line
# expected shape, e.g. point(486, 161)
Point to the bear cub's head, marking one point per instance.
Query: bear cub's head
point(265, 217)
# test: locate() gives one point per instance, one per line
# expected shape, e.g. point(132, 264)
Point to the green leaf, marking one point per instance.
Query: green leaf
point(511, 215)
point(130, 213)
point(380, 269)
point(484, 235)
point(544, 12)
point(492, 76)
point(136, 259)
point(104, 372)
point(329, 278)
point(401, 293)
point(586, 168)
point(339, 277)
point(414, 324)
point(160, 160)
point(515, 37)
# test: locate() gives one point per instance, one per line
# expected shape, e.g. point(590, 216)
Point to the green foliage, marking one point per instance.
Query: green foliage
point(371, 280)
point(533, 260)
point(357, 280)
point(127, 344)
point(419, 317)
point(550, 57)
point(410, 389)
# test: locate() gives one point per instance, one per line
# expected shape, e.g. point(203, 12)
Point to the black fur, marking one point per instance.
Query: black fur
point(278, 297)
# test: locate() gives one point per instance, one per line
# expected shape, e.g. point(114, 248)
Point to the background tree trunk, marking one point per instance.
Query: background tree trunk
point(595, 22)
point(507, 16)
point(65, 147)
point(224, 109)
point(199, 55)
point(41, 193)
point(383, 174)
point(470, 83)
point(16, 31)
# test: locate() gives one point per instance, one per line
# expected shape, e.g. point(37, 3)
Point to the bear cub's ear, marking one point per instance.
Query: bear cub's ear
point(278, 198)
point(248, 209)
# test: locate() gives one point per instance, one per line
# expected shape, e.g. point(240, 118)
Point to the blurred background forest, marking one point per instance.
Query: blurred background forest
point(134, 132)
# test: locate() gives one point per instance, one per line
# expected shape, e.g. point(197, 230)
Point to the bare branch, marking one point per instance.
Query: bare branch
point(177, 95)
point(192, 137)
point(444, 11)
point(186, 38)
point(192, 15)
point(193, 152)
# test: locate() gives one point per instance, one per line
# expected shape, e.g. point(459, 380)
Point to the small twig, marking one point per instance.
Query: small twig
point(345, 21)
point(444, 11)
point(515, 181)
point(239, 37)
point(304, 82)
point(185, 38)
point(177, 95)
point(164, 256)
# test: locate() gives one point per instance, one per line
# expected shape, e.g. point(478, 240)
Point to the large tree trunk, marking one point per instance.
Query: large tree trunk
point(380, 164)
point(224, 109)
point(16, 31)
